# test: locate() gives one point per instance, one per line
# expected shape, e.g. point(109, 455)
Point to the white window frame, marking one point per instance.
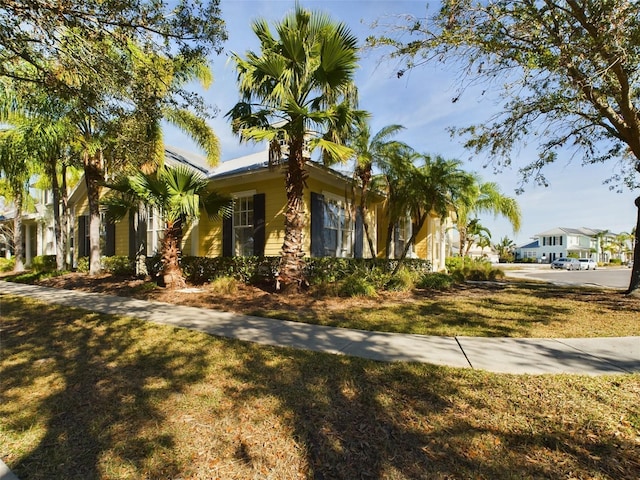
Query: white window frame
point(243, 219)
point(405, 230)
point(344, 227)
point(155, 230)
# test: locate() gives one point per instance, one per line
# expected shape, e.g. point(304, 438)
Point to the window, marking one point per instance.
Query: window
point(338, 231)
point(243, 226)
point(402, 236)
point(155, 231)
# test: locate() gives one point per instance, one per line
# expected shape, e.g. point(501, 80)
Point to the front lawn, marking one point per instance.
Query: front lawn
point(87, 396)
point(510, 308)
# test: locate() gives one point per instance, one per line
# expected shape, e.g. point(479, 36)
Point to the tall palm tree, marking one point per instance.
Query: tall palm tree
point(370, 151)
point(298, 91)
point(178, 194)
point(484, 197)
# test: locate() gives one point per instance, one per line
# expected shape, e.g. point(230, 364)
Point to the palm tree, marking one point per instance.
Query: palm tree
point(505, 248)
point(41, 122)
point(477, 234)
point(484, 197)
point(370, 151)
point(622, 242)
point(297, 92)
point(397, 171)
point(601, 243)
point(430, 189)
point(178, 194)
point(17, 167)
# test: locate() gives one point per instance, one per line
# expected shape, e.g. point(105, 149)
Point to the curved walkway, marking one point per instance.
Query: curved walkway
point(591, 356)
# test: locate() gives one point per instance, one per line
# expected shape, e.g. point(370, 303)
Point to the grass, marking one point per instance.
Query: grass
point(513, 309)
point(87, 396)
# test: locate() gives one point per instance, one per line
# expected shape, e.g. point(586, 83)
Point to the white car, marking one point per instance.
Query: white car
point(587, 264)
point(566, 263)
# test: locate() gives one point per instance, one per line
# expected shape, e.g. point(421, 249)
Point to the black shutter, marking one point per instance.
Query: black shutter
point(397, 246)
point(317, 225)
point(227, 237)
point(132, 235)
point(359, 234)
point(110, 239)
point(82, 239)
point(141, 233)
point(258, 224)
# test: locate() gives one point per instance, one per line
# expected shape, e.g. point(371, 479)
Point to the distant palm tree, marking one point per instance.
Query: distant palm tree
point(622, 242)
point(477, 234)
point(601, 243)
point(484, 197)
point(178, 194)
point(298, 92)
point(505, 248)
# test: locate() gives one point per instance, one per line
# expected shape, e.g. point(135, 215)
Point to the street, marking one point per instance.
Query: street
point(610, 277)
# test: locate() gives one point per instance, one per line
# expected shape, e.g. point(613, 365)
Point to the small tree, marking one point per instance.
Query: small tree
point(178, 194)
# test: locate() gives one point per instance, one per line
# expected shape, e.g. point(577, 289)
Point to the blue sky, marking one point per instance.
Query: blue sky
point(421, 102)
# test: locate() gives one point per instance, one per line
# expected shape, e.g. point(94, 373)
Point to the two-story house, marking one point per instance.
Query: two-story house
point(562, 241)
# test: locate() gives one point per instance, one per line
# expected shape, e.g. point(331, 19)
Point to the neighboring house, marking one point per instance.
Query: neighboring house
point(37, 225)
point(561, 242)
point(528, 251)
point(334, 226)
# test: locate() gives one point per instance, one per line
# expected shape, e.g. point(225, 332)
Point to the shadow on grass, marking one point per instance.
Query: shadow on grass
point(91, 384)
point(100, 382)
point(358, 419)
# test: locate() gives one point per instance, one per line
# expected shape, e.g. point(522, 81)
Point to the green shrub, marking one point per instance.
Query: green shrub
point(199, 270)
point(83, 265)
point(435, 281)
point(615, 261)
point(224, 285)
point(403, 281)
point(7, 264)
point(476, 269)
point(43, 263)
point(118, 265)
point(376, 270)
point(356, 286)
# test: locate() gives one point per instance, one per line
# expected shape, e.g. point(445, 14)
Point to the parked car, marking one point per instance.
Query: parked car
point(566, 263)
point(630, 264)
point(587, 264)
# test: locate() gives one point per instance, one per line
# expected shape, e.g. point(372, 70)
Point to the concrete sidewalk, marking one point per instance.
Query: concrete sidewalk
point(591, 356)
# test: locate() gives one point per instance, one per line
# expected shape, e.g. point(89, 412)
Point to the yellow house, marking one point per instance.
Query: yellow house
point(334, 226)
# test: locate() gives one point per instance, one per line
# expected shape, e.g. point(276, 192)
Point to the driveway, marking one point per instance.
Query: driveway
point(610, 277)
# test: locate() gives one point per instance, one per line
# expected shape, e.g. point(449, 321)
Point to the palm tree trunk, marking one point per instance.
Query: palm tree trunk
point(18, 235)
point(93, 177)
point(57, 226)
point(634, 282)
point(365, 178)
point(388, 240)
point(64, 218)
point(291, 274)
point(172, 275)
point(410, 242)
